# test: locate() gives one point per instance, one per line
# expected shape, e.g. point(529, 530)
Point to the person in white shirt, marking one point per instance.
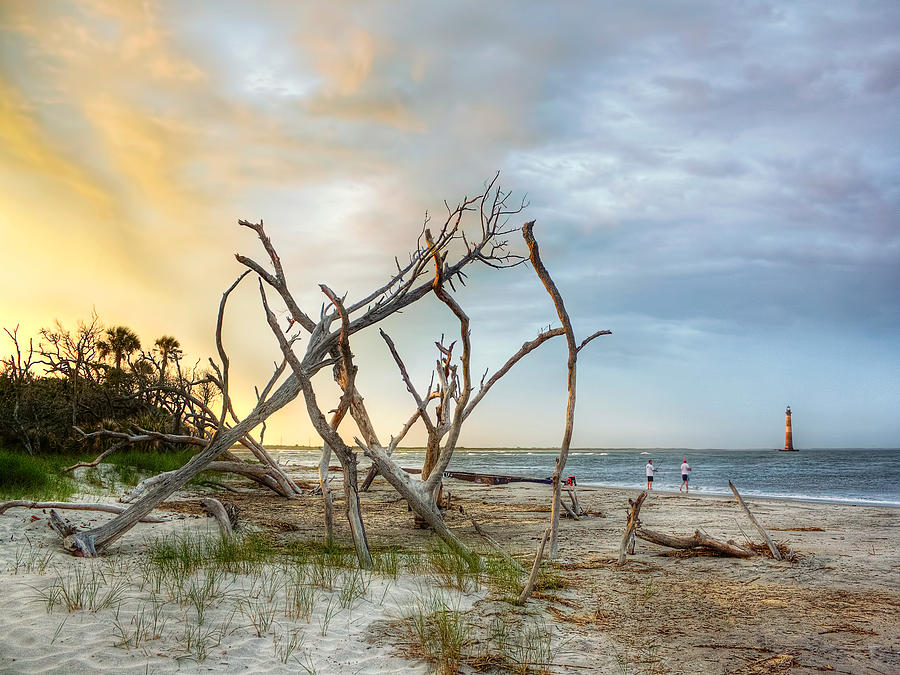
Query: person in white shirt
point(650, 471)
point(684, 476)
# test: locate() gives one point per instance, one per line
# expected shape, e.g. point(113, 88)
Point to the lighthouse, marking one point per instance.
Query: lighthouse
point(788, 434)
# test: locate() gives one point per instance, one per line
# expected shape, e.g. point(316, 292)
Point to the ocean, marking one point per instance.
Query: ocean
point(848, 476)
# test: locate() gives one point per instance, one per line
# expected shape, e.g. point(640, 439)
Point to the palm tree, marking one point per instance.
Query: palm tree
point(119, 342)
point(167, 346)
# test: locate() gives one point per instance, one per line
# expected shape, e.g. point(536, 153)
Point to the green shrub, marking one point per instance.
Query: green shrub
point(24, 476)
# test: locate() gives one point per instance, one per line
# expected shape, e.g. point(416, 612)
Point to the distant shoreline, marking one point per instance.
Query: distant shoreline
point(317, 448)
point(751, 497)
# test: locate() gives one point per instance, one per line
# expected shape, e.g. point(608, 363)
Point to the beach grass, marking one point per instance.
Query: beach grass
point(187, 592)
point(442, 632)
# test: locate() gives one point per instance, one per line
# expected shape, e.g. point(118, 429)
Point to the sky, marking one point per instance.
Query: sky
point(716, 183)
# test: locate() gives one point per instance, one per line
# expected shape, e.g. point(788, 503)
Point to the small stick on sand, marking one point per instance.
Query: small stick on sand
point(772, 547)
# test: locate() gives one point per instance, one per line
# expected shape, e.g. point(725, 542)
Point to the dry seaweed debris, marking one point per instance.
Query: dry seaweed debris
point(787, 553)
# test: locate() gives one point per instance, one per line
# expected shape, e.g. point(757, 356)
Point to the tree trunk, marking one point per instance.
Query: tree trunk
point(535, 570)
point(214, 506)
point(288, 487)
point(631, 525)
point(558, 303)
point(354, 512)
point(327, 499)
point(417, 498)
point(258, 474)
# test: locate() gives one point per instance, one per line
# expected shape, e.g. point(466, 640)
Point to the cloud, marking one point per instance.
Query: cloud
point(697, 171)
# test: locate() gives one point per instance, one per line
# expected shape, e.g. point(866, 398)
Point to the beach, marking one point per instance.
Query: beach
point(833, 608)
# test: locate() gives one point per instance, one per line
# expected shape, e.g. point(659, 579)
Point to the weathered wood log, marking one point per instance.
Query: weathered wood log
point(535, 569)
point(771, 544)
point(697, 540)
point(569, 511)
point(289, 488)
point(493, 542)
point(217, 510)
point(631, 524)
point(84, 506)
point(576, 505)
point(79, 546)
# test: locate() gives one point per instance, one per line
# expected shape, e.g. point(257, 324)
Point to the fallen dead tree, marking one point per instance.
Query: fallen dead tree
point(697, 542)
point(437, 263)
point(261, 475)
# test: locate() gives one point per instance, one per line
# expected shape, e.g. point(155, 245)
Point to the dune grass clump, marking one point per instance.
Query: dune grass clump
point(83, 588)
point(518, 644)
point(31, 560)
point(354, 585)
point(30, 477)
point(146, 624)
point(387, 562)
point(441, 632)
point(299, 598)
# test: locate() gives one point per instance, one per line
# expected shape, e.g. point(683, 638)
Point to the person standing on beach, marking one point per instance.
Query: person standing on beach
point(684, 476)
point(650, 471)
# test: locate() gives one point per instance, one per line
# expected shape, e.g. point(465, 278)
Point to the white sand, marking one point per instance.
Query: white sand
point(35, 641)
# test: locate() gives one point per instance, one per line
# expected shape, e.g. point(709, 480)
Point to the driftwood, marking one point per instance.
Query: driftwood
point(631, 525)
point(576, 505)
point(697, 540)
point(224, 518)
point(535, 568)
point(573, 349)
point(99, 458)
point(106, 508)
point(546, 279)
point(569, 511)
point(450, 251)
point(771, 544)
point(492, 478)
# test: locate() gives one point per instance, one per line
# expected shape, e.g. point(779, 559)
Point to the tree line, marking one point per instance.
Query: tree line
point(62, 385)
